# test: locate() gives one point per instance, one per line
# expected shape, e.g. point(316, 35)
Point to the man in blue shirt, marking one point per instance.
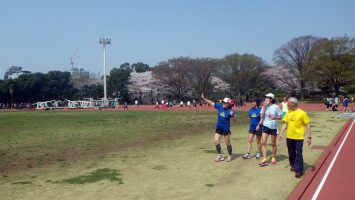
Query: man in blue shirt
point(225, 113)
point(254, 129)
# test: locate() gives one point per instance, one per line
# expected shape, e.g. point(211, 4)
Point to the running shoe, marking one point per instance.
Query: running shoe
point(229, 158)
point(257, 155)
point(246, 156)
point(298, 174)
point(219, 158)
point(273, 161)
point(264, 163)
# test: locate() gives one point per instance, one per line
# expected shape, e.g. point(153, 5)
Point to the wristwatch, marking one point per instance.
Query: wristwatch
point(309, 137)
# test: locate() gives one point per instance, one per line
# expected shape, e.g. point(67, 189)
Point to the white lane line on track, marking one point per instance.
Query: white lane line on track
point(320, 186)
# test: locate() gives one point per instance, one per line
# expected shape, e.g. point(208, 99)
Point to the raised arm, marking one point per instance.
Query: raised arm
point(206, 100)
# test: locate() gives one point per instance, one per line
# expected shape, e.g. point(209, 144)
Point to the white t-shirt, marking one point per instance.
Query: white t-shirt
point(284, 106)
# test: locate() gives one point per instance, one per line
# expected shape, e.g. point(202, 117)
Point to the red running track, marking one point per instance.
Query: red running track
point(332, 176)
point(305, 106)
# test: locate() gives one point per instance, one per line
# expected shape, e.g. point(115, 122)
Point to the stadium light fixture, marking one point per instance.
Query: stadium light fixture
point(104, 42)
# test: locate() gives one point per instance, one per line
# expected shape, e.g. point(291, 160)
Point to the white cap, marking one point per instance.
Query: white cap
point(270, 95)
point(226, 100)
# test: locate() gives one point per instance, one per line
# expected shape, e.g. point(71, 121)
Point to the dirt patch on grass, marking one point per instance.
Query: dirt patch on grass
point(23, 159)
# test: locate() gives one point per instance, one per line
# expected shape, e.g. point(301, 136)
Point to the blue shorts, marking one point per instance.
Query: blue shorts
point(269, 131)
point(222, 131)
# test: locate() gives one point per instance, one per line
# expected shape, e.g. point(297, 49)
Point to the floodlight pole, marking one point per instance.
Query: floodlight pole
point(104, 42)
point(11, 94)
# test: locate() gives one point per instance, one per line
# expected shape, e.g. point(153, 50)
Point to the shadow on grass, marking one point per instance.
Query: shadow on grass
point(209, 185)
point(210, 151)
point(237, 155)
point(159, 167)
point(22, 183)
point(281, 157)
point(95, 176)
point(308, 167)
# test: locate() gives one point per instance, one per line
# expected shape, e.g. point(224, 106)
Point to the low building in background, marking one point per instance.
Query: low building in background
point(14, 72)
point(79, 72)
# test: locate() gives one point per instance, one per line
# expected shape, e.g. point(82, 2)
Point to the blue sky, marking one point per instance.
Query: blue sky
point(42, 35)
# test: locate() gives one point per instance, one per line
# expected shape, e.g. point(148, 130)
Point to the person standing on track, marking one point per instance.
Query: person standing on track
point(269, 116)
point(162, 104)
point(346, 103)
point(254, 129)
point(225, 113)
point(157, 105)
point(296, 122)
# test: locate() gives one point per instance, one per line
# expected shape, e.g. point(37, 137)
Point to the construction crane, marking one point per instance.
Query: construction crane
point(72, 59)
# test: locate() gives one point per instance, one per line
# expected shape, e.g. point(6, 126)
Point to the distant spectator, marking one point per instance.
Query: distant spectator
point(346, 104)
point(162, 104)
point(194, 104)
point(157, 105)
point(325, 99)
point(335, 106)
point(331, 103)
point(188, 104)
point(170, 104)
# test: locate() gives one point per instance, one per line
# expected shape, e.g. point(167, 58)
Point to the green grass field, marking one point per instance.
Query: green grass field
point(139, 155)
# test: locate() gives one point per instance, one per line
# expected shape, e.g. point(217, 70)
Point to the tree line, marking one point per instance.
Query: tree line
point(304, 66)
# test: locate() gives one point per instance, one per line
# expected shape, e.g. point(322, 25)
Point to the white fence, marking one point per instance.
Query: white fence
point(80, 104)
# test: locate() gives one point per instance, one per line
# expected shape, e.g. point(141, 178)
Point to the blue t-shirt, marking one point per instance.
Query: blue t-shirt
point(254, 116)
point(224, 116)
point(346, 102)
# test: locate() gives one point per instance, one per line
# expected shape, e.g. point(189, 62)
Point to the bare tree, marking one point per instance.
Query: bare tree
point(174, 73)
point(282, 79)
point(242, 72)
point(200, 74)
point(293, 57)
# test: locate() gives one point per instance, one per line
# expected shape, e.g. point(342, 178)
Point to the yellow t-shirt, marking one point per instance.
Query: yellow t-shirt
point(296, 123)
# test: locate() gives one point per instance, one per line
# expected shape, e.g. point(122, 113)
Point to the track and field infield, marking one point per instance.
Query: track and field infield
point(139, 155)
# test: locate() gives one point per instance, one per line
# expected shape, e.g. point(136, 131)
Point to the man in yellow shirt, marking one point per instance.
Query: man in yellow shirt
point(296, 122)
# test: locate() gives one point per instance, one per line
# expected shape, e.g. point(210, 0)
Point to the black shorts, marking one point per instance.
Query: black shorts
point(222, 131)
point(258, 133)
point(269, 131)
